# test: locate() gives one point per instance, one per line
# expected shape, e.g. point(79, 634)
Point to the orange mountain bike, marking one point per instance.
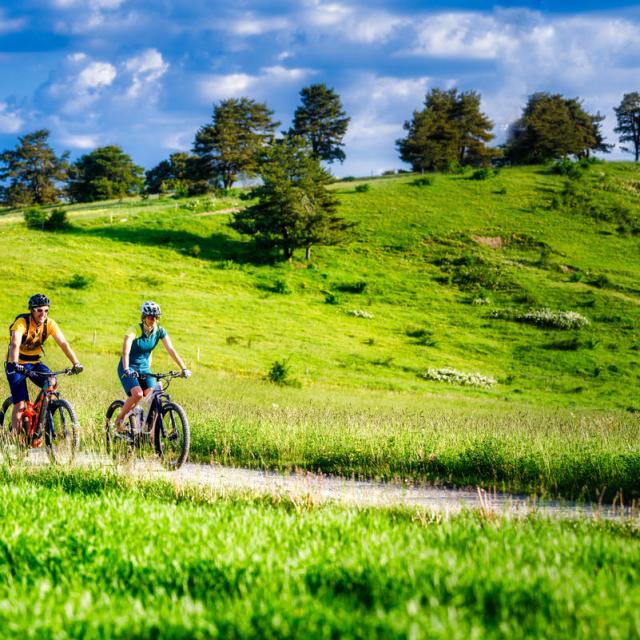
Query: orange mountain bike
point(50, 419)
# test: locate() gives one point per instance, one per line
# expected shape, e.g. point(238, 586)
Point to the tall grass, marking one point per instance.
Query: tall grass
point(84, 556)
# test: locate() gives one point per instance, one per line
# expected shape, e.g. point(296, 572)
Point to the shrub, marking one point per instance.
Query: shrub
point(281, 286)
point(600, 281)
point(421, 336)
point(57, 220)
point(195, 250)
point(279, 374)
point(452, 376)
point(78, 281)
point(363, 188)
point(424, 181)
point(35, 217)
point(483, 173)
point(351, 287)
point(331, 298)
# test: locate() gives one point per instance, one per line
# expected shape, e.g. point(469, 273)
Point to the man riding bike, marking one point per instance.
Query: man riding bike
point(139, 341)
point(28, 333)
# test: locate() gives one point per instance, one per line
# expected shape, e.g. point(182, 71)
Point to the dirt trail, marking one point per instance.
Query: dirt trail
point(320, 488)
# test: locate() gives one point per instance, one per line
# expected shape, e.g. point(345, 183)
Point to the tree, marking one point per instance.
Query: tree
point(231, 144)
point(181, 172)
point(321, 121)
point(294, 208)
point(451, 128)
point(551, 127)
point(33, 170)
point(628, 115)
point(105, 173)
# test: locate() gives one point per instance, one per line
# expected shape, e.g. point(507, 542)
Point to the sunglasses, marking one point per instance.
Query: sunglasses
point(41, 309)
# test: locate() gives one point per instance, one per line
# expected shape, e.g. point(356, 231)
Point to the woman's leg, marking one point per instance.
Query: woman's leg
point(135, 395)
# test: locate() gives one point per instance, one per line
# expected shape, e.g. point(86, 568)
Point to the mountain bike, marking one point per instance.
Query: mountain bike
point(50, 417)
point(155, 419)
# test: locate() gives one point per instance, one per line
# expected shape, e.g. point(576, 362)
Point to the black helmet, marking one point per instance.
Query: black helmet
point(39, 300)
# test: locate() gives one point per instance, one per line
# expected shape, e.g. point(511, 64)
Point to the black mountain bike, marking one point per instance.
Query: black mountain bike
point(50, 418)
point(156, 419)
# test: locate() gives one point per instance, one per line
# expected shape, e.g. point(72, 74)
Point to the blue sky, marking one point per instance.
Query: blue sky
point(144, 74)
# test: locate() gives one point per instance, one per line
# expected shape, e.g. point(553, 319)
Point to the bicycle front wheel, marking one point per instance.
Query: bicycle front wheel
point(61, 432)
point(172, 436)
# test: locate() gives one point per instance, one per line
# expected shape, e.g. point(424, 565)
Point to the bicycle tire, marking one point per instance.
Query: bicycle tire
point(173, 437)
point(61, 431)
point(118, 448)
point(11, 450)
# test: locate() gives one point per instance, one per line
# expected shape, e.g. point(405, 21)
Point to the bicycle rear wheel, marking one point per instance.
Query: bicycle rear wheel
point(12, 448)
point(119, 444)
point(172, 436)
point(61, 432)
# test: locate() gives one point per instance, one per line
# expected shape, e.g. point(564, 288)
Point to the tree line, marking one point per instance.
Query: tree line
point(293, 209)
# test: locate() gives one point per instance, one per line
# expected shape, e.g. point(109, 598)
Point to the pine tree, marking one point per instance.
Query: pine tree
point(628, 115)
point(105, 173)
point(229, 146)
point(450, 129)
point(33, 170)
point(552, 126)
point(294, 208)
point(321, 120)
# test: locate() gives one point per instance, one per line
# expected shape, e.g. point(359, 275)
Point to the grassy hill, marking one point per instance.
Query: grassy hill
point(442, 271)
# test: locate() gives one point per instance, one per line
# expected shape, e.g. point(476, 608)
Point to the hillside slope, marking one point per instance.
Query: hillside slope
point(436, 275)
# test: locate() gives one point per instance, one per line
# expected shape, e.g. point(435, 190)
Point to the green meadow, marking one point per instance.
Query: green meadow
point(84, 554)
point(440, 272)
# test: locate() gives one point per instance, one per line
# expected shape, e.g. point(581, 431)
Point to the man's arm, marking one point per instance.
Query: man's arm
point(14, 346)
point(64, 345)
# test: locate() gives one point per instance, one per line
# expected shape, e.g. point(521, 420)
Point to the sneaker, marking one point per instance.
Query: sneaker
point(120, 426)
point(36, 443)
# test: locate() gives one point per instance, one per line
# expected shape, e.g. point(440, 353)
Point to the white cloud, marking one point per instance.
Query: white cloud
point(146, 69)
point(10, 25)
point(250, 25)
point(351, 23)
point(234, 85)
point(463, 35)
point(77, 57)
point(82, 142)
point(94, 76)
point(10, 121)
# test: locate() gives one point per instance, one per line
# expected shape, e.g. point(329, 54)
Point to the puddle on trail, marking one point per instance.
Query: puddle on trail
point(361, 492)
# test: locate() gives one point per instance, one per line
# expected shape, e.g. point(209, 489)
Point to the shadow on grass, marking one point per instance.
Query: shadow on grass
point(216, 247)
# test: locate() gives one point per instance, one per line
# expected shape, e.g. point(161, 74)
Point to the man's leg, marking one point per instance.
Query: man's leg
point(19, 396)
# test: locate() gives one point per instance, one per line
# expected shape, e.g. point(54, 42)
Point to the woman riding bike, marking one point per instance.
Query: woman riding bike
point(139, 341)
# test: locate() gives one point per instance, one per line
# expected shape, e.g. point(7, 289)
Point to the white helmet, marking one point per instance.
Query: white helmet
point(150, 308)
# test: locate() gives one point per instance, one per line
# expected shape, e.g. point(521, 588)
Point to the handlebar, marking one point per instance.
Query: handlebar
point(161, 376)
point(49, 374)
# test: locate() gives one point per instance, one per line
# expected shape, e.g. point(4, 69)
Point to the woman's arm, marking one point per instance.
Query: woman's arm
point(126, 350)
point(166, 341)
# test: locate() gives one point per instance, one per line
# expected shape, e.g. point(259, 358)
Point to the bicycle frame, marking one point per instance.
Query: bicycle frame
point(36, 411)
point(154, 402)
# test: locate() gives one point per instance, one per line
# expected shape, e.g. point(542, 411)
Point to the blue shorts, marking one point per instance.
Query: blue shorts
point(129, 383)
point(18, 381)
